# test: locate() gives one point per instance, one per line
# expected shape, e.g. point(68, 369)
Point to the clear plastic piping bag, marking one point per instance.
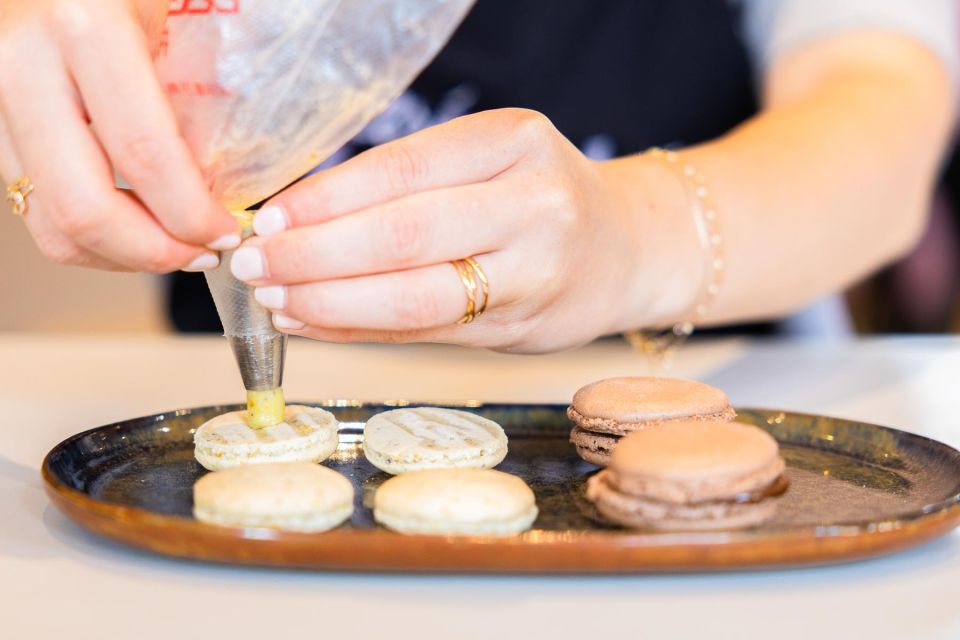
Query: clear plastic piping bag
point(265, 90)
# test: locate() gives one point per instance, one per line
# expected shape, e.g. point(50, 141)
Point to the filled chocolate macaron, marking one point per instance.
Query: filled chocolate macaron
point(607, 410)
point(692, 475)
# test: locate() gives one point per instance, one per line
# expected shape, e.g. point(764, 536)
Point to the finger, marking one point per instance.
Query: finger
point(424, 298)
point(119, 86)
point(480, 333)
point(418, 230)
point(473, 148)
point(74, 193)
point(51, 243)
point(351, 336)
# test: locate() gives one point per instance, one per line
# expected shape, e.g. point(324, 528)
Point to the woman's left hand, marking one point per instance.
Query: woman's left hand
point(362, 252)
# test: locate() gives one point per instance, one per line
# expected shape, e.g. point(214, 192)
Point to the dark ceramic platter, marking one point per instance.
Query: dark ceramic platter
point(857, 490)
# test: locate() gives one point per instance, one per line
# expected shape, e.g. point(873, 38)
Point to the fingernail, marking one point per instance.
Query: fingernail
point(271, 297)
point(270, 221)
point(247, 264)
point(225, 243)
point(203, 262)
point(283, 322)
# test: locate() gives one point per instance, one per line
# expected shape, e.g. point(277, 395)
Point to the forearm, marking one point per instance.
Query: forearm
point(828, 183)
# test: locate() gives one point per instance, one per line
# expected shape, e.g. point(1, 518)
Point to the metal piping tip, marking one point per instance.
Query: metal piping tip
point(260, 359)
point(260, 350)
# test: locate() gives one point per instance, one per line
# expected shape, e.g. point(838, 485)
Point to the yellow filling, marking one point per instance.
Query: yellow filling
point(265, 408)
point(245, 221)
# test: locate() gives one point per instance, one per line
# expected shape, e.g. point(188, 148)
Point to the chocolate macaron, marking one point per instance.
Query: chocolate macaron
point(607, 410)
point(693, 475)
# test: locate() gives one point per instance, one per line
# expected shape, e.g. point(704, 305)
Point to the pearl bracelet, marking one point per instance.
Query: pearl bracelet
point(660, 342)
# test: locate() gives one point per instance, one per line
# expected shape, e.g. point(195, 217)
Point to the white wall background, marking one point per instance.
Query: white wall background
point(37, 295)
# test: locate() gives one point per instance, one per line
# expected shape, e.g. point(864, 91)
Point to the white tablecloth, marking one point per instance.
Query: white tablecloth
point(58, 581)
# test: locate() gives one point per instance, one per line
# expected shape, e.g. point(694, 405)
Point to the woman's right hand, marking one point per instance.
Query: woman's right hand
point(66, 65)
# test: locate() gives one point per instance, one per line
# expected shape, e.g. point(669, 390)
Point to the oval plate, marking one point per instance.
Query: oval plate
point(857, 490)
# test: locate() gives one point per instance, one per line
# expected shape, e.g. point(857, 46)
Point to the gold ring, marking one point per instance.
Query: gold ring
point(474, 282)
point(483, 282)
point(17, 195)
point(470, 285)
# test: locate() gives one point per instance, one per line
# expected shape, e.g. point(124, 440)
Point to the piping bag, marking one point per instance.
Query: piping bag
point(263, 92)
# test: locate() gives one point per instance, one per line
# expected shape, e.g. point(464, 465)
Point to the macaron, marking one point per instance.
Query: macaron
point(691, 475)
point(307, 435)
point(414, 439)
point(455, 502)
point(294, 496)
point(607, 410)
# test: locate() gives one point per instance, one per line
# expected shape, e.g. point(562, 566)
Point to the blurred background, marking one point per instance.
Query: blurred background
point(39, 295)
point(919, 294)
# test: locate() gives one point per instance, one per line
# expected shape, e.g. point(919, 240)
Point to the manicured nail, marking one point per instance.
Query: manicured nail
point(271, 297)
point(203, 262)
point(270, 221)
point(283, 322)
point(225, 243)
point(247, 263)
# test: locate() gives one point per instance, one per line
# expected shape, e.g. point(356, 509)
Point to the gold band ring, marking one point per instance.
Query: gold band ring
point(477, 287)
point(470, 285)
point(483, 282)
point(17, 193)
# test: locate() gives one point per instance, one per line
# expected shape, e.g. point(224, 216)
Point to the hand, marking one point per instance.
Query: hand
point(361, 252)
point(63, 65)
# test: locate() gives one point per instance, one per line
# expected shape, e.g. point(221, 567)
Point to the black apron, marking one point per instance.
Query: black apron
point(615, 76)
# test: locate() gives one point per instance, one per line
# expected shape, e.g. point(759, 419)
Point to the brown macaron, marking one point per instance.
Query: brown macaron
point(691, 475)
point(607, 410)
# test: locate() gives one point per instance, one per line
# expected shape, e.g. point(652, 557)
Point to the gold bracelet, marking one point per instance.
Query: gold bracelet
point(661, 342)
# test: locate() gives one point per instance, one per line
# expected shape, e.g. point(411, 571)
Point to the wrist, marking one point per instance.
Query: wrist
point(667, 267)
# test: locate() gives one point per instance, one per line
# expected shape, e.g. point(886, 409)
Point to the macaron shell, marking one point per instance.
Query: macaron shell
point(455, 501)
point(300, 496)
point(640, 513)
point(733, 517)
point(693, 451)
point(305, 522)
point(405, 440)
point(311, 450)
point(308, 435)
point(619, 428)
point(595, 448)
point(421, 526)
point(394, 466)
point(687, 491)
point(640, 399)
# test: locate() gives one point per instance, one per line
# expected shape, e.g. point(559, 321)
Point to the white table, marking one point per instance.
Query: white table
point(58, 581)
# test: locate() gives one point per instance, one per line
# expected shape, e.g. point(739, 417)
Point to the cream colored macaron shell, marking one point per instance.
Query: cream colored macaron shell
point(294, 496)
point(455, 502)
point(307, 435)
point(406, 440)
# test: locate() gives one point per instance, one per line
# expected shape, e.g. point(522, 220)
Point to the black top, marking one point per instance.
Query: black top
point(615, 76)
point(642, 72)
